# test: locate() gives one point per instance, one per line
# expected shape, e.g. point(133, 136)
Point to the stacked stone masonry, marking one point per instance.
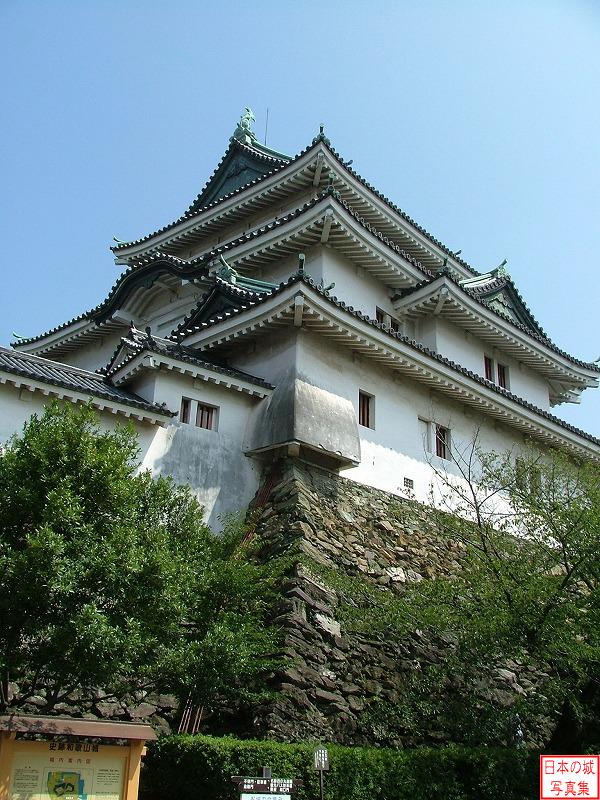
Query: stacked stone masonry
point(337, 678)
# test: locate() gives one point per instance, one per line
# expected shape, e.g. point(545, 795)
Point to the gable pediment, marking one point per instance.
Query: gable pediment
point(506, 305)
point(241, 164)
point(507, 302)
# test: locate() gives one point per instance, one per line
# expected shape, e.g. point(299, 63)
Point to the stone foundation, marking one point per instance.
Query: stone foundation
point(345, 685)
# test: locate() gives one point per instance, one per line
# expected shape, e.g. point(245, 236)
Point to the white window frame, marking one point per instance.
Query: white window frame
point(194, 405)
point(428, 431)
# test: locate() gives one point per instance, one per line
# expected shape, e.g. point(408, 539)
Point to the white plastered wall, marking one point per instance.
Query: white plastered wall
point(210, 462)
point(354, 285)
point(91, 355)
point(19, 404)
point(468, 350)
point(394, 448)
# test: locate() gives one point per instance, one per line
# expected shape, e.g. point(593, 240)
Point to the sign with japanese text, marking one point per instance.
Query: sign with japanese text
point(569, 776)
point(265, 788)
point(61, 771)
point(321, 759)
point(278, 786)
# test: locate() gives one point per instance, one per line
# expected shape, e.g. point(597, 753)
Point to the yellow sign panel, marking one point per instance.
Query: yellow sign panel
point(49, 773)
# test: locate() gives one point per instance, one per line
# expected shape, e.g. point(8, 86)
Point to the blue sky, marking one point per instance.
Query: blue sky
point(480, 118)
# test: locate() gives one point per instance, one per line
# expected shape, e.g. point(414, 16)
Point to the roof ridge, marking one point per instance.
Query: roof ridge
point(189, 213)
point(319, 139)
point(322, 138)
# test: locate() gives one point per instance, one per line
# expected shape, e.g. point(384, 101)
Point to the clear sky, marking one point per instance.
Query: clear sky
point(480, 118)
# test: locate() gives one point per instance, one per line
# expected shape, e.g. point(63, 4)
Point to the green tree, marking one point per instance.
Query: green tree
point(529, 589)
point(109, 578)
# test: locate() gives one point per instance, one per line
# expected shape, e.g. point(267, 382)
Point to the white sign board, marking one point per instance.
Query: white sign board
point(264, 796)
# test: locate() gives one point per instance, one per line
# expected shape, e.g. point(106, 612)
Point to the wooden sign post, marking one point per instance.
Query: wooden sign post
point(321, 764)
point(61, 758)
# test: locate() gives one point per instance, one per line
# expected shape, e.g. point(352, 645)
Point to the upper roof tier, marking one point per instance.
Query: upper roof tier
point(244, 161)
point(251, 177)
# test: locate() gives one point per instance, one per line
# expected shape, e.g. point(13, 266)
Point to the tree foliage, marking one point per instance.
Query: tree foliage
point(109, 578)
point(529, 589)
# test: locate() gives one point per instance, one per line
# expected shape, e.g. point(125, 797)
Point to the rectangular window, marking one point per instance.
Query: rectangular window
point(489, 368)
point(366, 410)
point(442, 442)
point(503, 376)
point(386, 319)
point(409, 484)
point(206, 417)
point(186, 406)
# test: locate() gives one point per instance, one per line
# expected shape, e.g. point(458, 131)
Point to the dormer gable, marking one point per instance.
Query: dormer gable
point(498, 292)
point(245, 160)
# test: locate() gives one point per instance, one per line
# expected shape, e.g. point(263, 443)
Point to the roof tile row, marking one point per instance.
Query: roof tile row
point(72, 378)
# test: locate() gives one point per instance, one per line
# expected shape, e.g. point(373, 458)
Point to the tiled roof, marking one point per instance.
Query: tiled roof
point(391, 204)
point(196, 212)
point(270, 159)
point(302, 278)
point(137, 342)
point(72, 378)
point(220, 288)
point(478, 294)
point(483, 290)
point(100, 312)
point(185, 267)
point(193, 212)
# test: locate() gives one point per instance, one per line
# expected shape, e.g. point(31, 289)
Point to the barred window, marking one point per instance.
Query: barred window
point(206, 417)
point(442, 442)
point(489, 368)
point(503, 376)
point(366, 410)
point(186, 407)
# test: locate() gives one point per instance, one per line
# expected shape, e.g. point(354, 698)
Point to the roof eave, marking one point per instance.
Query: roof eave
point(147, 360)
point(460, 384)
point(586, 376)
point(244, 195)
point(56, 391)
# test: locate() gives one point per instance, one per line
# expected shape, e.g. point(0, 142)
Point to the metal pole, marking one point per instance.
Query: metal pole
point(321, 782)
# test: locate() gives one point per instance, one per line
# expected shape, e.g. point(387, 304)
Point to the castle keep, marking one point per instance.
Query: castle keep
point(293, 310)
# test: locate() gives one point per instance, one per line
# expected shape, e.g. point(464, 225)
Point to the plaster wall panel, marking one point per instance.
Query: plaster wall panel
point(18, 405)
point(92, 355)
point(353, 285)
point(211, 462)
point(468, 350)
point(272, 357)
point(394, 448)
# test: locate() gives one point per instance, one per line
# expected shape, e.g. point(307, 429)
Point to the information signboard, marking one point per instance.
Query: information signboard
point(61, 758)
point(41, 771)
point(266, 787)
point(321, 759)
